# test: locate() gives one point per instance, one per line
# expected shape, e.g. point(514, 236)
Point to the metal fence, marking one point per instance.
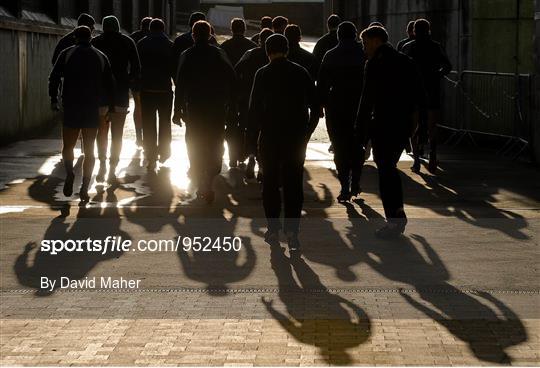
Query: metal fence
point(485, 103)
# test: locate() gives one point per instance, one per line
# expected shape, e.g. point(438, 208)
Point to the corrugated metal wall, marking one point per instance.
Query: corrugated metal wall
point(26, 59)
point(27, 45)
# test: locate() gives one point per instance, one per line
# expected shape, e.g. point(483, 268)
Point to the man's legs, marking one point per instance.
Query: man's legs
point(69, 140)
point(213, 158)
point(357, 159)
point(148, 110)
point(137, 118)
point(386, 157)
point(271, 164)
point(89, 140)
point(102, 142)
point(418, 140)
point(118, 118)
point(293, 197)
point(164, 106)
point(433, 119)
point(342, 161)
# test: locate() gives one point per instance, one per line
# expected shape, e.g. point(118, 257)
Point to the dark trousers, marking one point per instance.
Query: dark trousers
point(386, 154)
point(235, 142)
point(283, 166)
point(156, 142)
point(205, 142)
point(349, 159)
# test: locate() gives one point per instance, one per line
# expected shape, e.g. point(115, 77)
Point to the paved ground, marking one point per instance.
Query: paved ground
point(461, 287)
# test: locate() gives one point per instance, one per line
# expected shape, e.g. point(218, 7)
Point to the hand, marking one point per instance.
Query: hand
point(54, 106)
point(177, 119)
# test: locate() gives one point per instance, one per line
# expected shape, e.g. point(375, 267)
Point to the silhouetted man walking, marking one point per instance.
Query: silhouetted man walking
point(266, 22)
point(235, 48)
point(410, 36)
point(137, 114)
point(391, 96)
point(185, 40)
point(433, 64)
point(246, 68)
point(87, 91)
point(296, 53)
point(283, 106)
point(279, 24)
point(203, 95)
point(124, 58)
point(143, 31)
point(339, 91)
point(155, 52)
point(70, 39)
point(328, 41)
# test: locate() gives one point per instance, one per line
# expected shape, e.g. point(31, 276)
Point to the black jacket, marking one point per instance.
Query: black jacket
point(157, 63)
point(403, 42)
point(281, 99)
point(236, 47)
point(184, 42)
point(87, 77)
point(431, 60)
point(341, 76)
point(139, 35)
point(246, 68)
point(304, 58)
point(123, 56)
point(205, 83)
point(392, 92)
point(65, 42)
point(323, 45)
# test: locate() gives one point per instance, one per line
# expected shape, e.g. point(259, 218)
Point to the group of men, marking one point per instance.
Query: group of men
point(263, 96)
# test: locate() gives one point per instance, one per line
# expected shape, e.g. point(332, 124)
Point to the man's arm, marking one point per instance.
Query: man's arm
point(446, 65)
point(57, 50)
point(55, 79)
point(134, 66)
point(314, 106)
point(323, 81)
point(108, 81)
point(179, 91)
point(256, 101)
point(365, 108)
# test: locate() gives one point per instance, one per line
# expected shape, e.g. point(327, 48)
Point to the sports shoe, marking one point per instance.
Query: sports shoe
point(293, 243)
point(344, 196)
point(271, 237)
point(68, 185)
point(415, 168)
point(389, 232)
point(83, 193)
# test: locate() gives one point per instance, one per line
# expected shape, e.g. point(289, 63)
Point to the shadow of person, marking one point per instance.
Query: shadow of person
point(48, 188)
point(73, 263)
point(414, 262)
point(476, 207)
point(326, 245)
point(311, 308)
point(223, 256)
point(453, 193)
point(152, 208)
